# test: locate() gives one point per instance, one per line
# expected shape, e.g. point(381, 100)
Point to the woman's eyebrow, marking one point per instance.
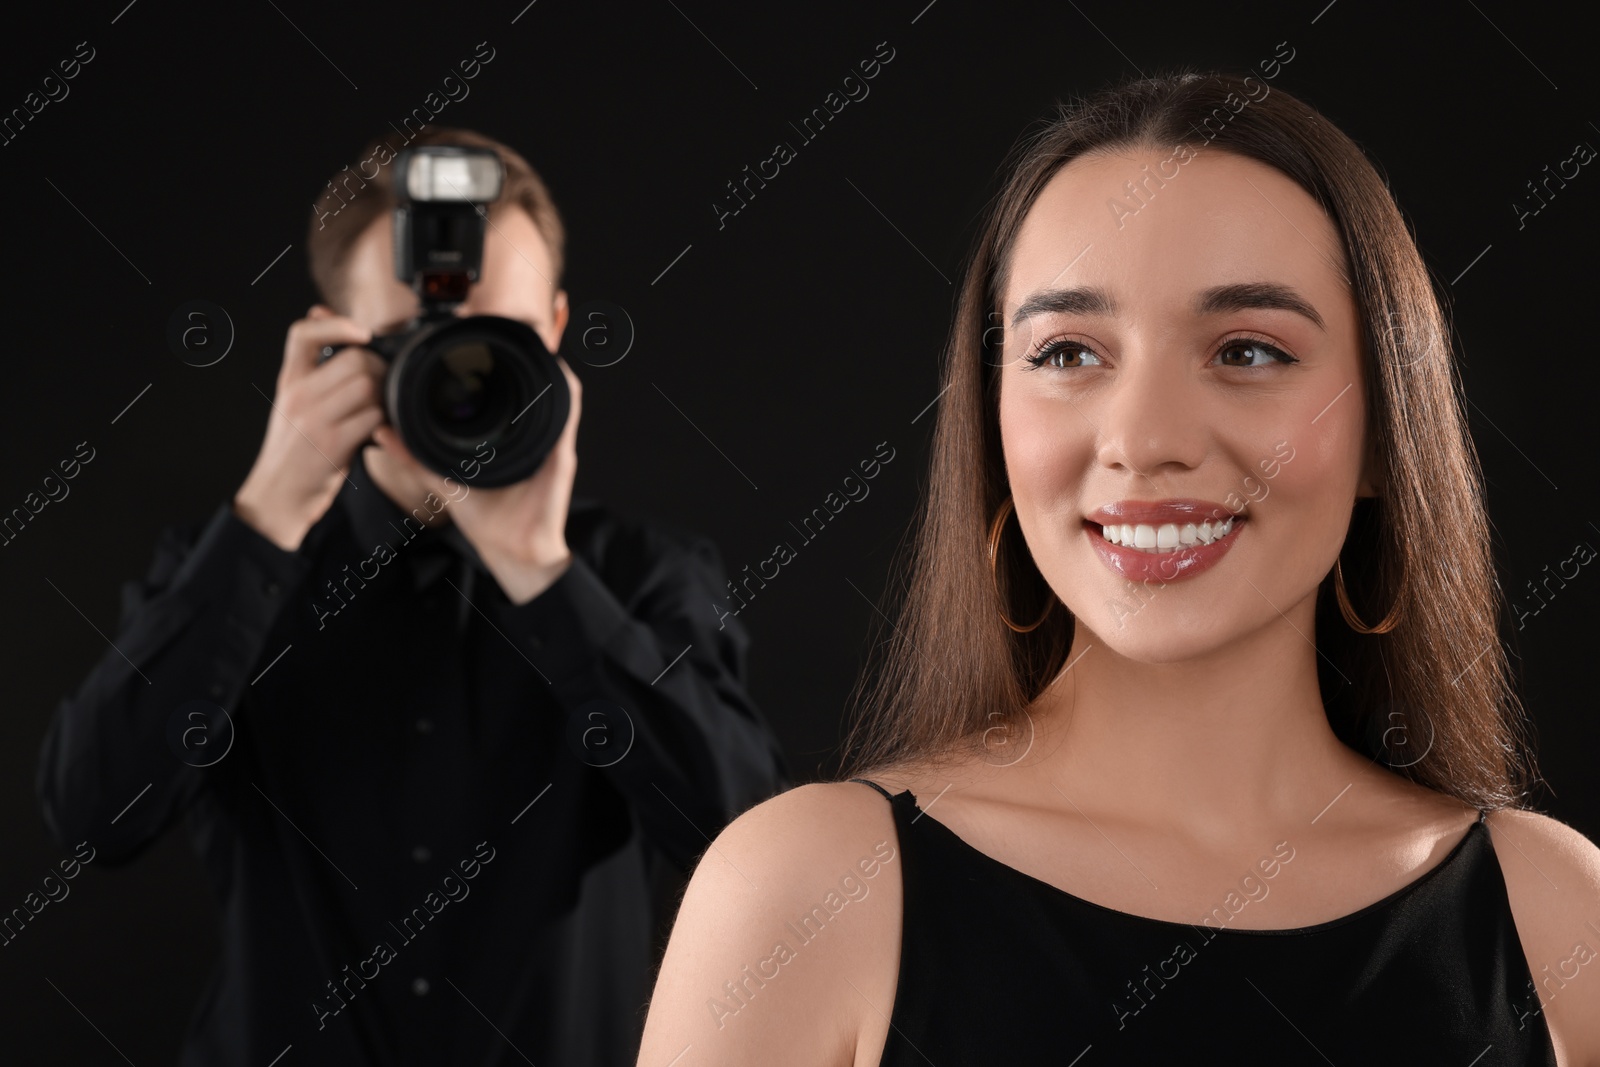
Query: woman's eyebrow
point(1241, 296)
point(1246, 295)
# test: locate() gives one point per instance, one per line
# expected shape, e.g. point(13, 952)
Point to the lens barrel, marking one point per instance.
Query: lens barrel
point(479, 393)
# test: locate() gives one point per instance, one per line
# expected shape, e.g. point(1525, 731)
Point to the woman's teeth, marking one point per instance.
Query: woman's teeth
point(1168, 537)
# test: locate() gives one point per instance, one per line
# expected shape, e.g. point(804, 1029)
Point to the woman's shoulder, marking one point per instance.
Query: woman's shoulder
point(806, 825)
point(787, 934)
point(1552, 878)
point(1552, 840)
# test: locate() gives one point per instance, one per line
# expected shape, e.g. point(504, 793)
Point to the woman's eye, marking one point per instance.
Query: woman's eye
point(1061, 354)
point(1244, 353)
point(1247, 353)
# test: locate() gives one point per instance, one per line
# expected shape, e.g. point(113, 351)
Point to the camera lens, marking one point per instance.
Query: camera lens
point(470, 392)
point(478, 387)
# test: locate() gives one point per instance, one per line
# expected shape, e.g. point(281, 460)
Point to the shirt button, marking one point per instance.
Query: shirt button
point(271, 588)
point(421, 854)
point(419, 986)
point(535, 642)
point(216, 689)
point(424, 726)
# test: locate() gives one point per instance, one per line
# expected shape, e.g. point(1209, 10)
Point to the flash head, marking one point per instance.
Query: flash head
point(439, 220)
point(450, 172)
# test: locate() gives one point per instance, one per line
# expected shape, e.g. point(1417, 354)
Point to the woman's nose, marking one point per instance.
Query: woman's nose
point(1153, 415)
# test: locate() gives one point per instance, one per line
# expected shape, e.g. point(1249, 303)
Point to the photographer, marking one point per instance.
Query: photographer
point(443, 746)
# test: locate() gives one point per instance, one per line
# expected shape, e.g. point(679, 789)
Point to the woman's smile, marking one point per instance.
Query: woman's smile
point(1162, 540)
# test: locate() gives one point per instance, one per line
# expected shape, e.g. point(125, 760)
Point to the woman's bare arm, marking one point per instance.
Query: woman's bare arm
point(786, 945)
point(1552, 876)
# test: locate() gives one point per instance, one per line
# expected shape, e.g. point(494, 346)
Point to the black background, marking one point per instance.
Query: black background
point(774, 354)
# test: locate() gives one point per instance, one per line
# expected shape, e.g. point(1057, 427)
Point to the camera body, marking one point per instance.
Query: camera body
point(457, 385)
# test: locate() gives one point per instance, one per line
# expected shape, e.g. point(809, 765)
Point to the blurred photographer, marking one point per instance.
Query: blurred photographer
point(443, 746)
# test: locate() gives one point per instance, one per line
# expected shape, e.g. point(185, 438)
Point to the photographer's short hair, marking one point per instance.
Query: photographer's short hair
point(364, 191)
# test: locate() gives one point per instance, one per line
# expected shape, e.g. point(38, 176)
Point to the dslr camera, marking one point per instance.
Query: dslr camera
point(456, 384)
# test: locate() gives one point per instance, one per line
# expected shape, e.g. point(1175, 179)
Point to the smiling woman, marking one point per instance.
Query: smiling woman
point(1101, 775)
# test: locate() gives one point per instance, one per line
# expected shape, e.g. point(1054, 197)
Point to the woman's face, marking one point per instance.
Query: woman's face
point(1172, 360)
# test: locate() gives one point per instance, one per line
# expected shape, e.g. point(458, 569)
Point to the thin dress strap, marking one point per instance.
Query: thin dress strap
point(876, 786)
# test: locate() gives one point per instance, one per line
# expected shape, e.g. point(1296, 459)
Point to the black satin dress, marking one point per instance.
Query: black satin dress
point(999, 967)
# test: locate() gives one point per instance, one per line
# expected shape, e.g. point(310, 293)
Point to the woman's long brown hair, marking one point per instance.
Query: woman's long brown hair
point(1432, 698)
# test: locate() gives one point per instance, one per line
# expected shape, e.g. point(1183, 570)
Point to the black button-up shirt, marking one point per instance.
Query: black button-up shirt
point(432, 819)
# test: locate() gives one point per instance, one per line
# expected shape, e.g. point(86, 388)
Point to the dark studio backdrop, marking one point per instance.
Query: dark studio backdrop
point(771, 349)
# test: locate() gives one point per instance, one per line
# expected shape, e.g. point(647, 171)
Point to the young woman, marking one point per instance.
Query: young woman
point(1196, 731)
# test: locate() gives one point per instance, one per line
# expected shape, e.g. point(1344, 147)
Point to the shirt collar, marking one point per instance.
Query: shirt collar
point(376, 520)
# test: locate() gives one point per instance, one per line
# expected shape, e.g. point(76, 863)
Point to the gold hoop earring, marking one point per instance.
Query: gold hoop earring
point(1390, 621)
point(994, 549)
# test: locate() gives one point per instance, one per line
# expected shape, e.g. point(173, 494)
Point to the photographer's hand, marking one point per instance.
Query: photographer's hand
point(319, 416)
point(518, 530)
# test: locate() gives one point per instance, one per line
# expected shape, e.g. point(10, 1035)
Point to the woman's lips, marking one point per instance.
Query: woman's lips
point(1178, 510)
point(1171, 522)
